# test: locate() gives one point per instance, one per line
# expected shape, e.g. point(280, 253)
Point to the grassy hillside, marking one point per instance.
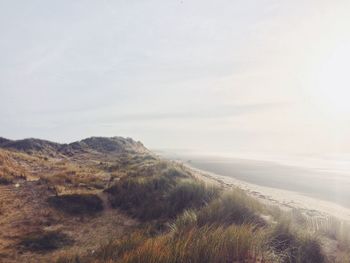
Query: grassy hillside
point(186, 220)
point(120, 203)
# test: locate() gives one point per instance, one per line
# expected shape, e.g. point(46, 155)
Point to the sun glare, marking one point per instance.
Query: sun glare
point(332, 83)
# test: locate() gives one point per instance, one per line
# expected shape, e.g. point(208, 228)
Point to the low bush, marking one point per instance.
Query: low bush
point(42, 241)
point(6, 180)
point(77, 204)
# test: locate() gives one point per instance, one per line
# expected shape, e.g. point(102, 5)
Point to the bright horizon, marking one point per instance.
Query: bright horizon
point(253, 77)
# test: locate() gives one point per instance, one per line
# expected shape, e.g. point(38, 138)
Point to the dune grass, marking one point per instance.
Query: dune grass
point(233, 207)
point(295, 245)
point(162, 195)
point(205, 224)
point(205, 244)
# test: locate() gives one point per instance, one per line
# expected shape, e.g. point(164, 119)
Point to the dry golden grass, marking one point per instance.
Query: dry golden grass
point(68, 174)
point(183, 219)
point(10, 168)
point(210, 226)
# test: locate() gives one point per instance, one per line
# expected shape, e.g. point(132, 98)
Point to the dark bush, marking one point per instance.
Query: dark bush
point(44, 241)
point(5, 180)
point(77, 204)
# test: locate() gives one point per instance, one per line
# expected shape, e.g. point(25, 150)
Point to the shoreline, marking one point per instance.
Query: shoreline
point(285, 199)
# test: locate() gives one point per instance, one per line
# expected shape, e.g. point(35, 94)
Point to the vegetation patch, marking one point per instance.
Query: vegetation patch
point(189, 194)
point(44, 241)
point(294, 246)
point(233, 207)
point(77, 204)
point(6, 180)
point(161, 196)
point(9, 167)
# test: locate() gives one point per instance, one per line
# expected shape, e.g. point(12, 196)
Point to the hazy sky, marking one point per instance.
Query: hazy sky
point(222, 76)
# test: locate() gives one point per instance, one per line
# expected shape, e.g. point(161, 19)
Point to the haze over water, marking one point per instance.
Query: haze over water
point(321, 177)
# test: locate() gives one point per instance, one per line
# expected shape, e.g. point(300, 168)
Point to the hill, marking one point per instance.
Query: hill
point(112, 200)
point(97, 144)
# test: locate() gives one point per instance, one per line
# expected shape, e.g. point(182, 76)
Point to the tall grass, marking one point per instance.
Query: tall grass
point(187, 194)
point(206, 224)
point(205, 244)
point(160, 196)
point(232, 207)
point(197, 245)
point(294, 245)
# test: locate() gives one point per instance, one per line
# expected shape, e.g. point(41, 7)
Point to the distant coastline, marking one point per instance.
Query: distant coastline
point(321, 190)
point(283, 198)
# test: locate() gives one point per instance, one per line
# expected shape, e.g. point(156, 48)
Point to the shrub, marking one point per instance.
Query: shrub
point(44, 241)
point(5, 180)
point(77, 204)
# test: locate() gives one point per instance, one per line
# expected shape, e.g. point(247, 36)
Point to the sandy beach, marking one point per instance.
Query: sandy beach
point(283, 198)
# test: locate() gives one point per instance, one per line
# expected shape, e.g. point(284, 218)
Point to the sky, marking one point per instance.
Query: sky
point(254, 76)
